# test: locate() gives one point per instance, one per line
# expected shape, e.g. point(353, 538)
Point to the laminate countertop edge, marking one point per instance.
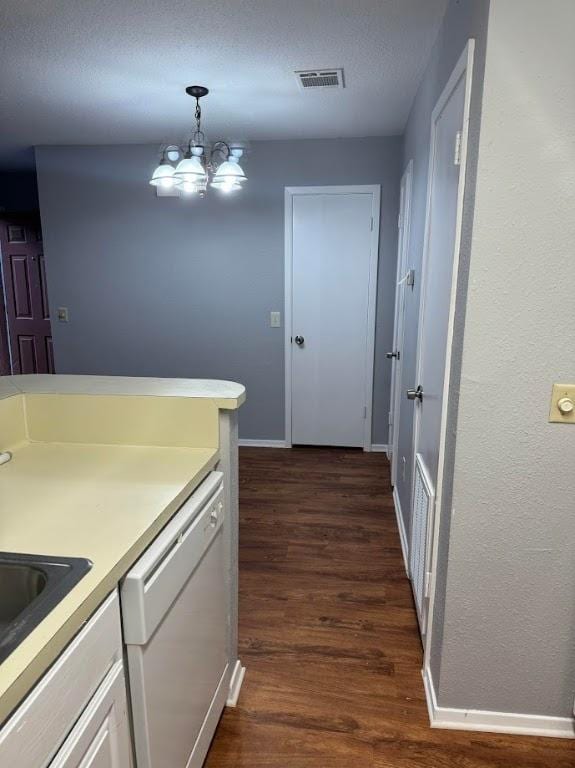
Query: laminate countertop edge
point(227, 395)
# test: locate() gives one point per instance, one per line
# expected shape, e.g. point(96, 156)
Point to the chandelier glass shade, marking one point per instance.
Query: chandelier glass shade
point(163, 176)
point(230, 176)
point(189, 171)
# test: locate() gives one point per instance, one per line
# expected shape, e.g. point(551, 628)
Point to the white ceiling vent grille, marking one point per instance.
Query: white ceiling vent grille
point(313, 79)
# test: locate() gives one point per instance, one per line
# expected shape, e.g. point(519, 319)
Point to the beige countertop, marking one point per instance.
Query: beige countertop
point(103, 502)
point(226, 395)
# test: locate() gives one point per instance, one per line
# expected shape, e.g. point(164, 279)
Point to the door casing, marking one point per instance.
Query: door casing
point(290, 192)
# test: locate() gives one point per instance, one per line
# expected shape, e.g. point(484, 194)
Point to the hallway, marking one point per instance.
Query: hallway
point(328, 630)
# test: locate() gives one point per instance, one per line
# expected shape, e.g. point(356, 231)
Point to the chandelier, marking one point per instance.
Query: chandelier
point(189, 170)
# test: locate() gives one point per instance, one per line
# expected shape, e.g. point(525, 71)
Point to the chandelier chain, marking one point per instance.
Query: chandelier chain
point(198, 137)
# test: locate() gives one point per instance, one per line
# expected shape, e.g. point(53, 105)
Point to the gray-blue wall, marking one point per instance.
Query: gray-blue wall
point(507, 644)
point(166, 287)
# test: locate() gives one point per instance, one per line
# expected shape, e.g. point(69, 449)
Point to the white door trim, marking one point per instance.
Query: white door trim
point(464, 67)
point(399, 316)
point(290, 192)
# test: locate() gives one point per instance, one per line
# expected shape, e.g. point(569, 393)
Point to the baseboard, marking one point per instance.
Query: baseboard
point(245, 442)
point(402, 533)
point(236, 684)
point(493, 722)
point(248, 443)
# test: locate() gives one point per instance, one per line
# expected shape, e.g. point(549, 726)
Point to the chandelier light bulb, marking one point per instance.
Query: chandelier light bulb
point(173, 153)
point(227, 186)
point(188, 188)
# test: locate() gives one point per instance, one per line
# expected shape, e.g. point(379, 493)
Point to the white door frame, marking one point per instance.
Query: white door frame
point(463, 68)
point(404, 230)
point(290, 192)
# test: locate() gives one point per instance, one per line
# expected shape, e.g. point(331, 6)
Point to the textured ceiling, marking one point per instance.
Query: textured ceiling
point(114, 71)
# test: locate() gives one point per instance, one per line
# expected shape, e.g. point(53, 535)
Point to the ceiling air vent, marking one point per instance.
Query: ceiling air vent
point(311, 79)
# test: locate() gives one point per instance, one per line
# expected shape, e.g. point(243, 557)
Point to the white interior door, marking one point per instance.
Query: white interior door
point(396, 354)
point(333, 238)
point(439, 274)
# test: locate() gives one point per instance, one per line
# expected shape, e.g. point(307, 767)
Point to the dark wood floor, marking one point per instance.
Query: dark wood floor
point(328, 630)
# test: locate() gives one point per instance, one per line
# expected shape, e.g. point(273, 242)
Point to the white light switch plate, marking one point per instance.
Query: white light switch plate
point(62, 314)
point(275, 319)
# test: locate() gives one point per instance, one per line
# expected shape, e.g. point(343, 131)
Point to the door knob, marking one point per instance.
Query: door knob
point(415, 394)
point(299, 340)
point(391, 355)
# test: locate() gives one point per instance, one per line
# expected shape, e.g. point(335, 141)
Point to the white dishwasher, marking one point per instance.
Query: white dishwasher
point(175, 616)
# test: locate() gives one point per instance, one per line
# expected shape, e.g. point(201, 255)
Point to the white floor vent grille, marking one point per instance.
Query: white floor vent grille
point(423, 499)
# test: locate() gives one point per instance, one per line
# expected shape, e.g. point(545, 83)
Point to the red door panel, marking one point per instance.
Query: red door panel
point(44, 288)
point(22, 298)
point(27, 310)
point(28, 354)
point(50, 354)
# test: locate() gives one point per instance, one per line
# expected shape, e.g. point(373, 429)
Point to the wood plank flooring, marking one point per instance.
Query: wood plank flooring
point(328, 630)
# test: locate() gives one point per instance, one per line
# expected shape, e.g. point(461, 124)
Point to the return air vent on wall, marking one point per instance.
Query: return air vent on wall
point(312, 79)
point(423, 501)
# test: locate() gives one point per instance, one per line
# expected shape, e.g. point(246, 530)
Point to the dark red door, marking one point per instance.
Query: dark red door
point(27, 312)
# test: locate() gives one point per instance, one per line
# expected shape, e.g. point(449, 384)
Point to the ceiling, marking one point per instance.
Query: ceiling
point(106, 72)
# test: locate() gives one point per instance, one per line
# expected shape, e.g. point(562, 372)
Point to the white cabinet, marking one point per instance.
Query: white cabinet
point(38, 728)
point(101, 737)
point(177, 614)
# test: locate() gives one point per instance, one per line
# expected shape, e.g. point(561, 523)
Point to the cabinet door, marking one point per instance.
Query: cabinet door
point(36, 731)
point(101, 737)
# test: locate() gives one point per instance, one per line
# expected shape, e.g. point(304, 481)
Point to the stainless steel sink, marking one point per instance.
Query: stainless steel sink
point(30, 587)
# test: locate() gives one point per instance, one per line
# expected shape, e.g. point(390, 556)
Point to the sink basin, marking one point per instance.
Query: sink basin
point(30, 587)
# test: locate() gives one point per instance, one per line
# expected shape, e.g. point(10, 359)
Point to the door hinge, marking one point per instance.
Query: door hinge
point(371, 224)
point(427, 584)
point(390, 419)
point(365, 411)
point(399, 221)
point(457, 152)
